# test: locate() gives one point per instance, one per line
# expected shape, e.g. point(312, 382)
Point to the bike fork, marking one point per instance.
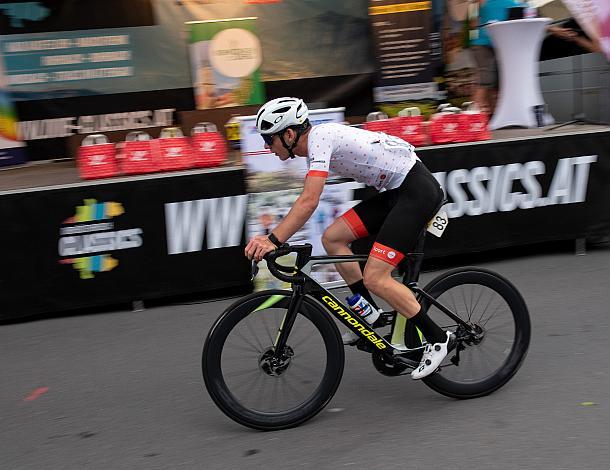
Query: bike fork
point(288, 321)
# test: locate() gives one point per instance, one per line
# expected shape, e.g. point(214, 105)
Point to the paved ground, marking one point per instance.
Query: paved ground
point(123, 390)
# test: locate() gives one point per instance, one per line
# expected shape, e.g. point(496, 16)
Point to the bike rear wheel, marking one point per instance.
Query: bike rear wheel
point(239, 369)
point(499, 315)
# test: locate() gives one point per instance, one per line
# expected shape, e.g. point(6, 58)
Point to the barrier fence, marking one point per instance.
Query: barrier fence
point(122, 240)
point(103, 243)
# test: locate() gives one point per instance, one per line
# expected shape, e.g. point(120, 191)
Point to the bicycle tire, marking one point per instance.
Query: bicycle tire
point(219, 382)
point(485, 281)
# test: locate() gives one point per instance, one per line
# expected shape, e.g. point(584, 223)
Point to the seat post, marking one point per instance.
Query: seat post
point(413, 260)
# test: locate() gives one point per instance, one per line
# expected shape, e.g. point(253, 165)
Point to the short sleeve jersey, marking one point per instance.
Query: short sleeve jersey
point(373, 158)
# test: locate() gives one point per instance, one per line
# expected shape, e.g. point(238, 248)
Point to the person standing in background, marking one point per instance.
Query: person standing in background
point(571, 31)
point(486, 88)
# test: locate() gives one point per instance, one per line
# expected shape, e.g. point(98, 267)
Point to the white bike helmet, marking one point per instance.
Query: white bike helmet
point(280, 113)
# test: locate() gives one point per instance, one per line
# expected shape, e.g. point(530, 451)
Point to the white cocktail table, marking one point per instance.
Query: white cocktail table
point(517, 46)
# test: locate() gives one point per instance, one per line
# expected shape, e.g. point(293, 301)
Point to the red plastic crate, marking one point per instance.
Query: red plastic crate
point(209, 146)
point(175, 152)
point(138, 157)
point(444, 128)
point(412, 129)
point(97, 158)
point(474, 126)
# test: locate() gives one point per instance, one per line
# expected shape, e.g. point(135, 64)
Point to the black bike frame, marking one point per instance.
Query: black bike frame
point(342, 313)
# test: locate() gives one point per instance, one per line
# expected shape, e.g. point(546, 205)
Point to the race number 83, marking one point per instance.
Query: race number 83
point(438, 224)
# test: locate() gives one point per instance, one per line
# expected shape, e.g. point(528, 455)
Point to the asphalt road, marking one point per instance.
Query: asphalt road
point(123, 390)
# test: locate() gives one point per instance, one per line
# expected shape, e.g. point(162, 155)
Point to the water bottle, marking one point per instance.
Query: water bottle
point(361, 307)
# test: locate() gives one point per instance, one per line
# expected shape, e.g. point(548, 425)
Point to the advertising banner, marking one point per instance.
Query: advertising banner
point(408, 50)
point(266, 210)
point(522, 191)
point(63, 49)
point(316, 38)
point(77, 67)
point(109, 243)
point(12, 149)
point(225, 63)
point(266, 172)
point(459, 25)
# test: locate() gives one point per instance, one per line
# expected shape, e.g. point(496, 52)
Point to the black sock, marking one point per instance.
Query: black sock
point(359, 288)
point(432, 332)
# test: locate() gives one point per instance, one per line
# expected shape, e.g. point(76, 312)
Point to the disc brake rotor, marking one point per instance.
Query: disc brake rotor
point(275, 366)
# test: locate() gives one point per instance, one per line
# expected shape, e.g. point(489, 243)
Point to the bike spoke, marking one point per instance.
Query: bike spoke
point(468, 312)
point(249, 348)
point(301, 342)
point(292, 382)
point(246, 340)
point(314, 369)
point(291, 388)
point(269, 335)
point(498, 326)
point(253, 334)
point(486, 309)
point(242, 373)
point(489, 350)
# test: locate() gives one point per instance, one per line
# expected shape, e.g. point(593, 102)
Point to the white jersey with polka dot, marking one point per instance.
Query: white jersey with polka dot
point(373, 158)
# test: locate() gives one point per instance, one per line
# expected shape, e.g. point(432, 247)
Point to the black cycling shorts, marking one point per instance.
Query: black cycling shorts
point(398, 216)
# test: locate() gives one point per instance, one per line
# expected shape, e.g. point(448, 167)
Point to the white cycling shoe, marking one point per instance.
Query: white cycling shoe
point(433, 356)
point(350, 338)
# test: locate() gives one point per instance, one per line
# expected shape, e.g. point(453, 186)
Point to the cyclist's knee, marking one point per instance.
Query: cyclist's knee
point(327, 241)
point(333, 237)
point(376, 282)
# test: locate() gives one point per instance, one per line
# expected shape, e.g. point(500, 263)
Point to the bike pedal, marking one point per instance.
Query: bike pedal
point(408, 362)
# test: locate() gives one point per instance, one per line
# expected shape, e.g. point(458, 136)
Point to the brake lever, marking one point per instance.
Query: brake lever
point(254, 270)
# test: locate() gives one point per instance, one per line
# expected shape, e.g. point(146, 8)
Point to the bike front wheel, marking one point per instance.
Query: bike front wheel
point(494, 350)
point(250, 384)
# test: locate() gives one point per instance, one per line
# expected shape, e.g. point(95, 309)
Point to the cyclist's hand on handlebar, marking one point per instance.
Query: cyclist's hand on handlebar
point(258, 247)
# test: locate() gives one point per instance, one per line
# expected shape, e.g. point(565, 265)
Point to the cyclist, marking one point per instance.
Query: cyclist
point(408, 196)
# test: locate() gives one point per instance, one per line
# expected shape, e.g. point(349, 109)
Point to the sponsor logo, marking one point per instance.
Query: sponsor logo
point(220, 221)
point(207, 146)
point(379, 250)
point(349, 319)
point(494, 189)
point(391, 255)
point(88, 237)
point(67, 126)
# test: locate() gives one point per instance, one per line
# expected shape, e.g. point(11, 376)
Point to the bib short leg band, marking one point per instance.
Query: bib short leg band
point(397, 216)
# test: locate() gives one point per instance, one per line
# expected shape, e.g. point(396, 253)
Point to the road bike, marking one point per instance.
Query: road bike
point(274, 359)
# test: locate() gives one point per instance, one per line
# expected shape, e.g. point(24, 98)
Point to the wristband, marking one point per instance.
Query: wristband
point(273, 239)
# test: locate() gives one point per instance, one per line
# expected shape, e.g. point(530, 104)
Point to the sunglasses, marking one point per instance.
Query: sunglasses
point(268, 138)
